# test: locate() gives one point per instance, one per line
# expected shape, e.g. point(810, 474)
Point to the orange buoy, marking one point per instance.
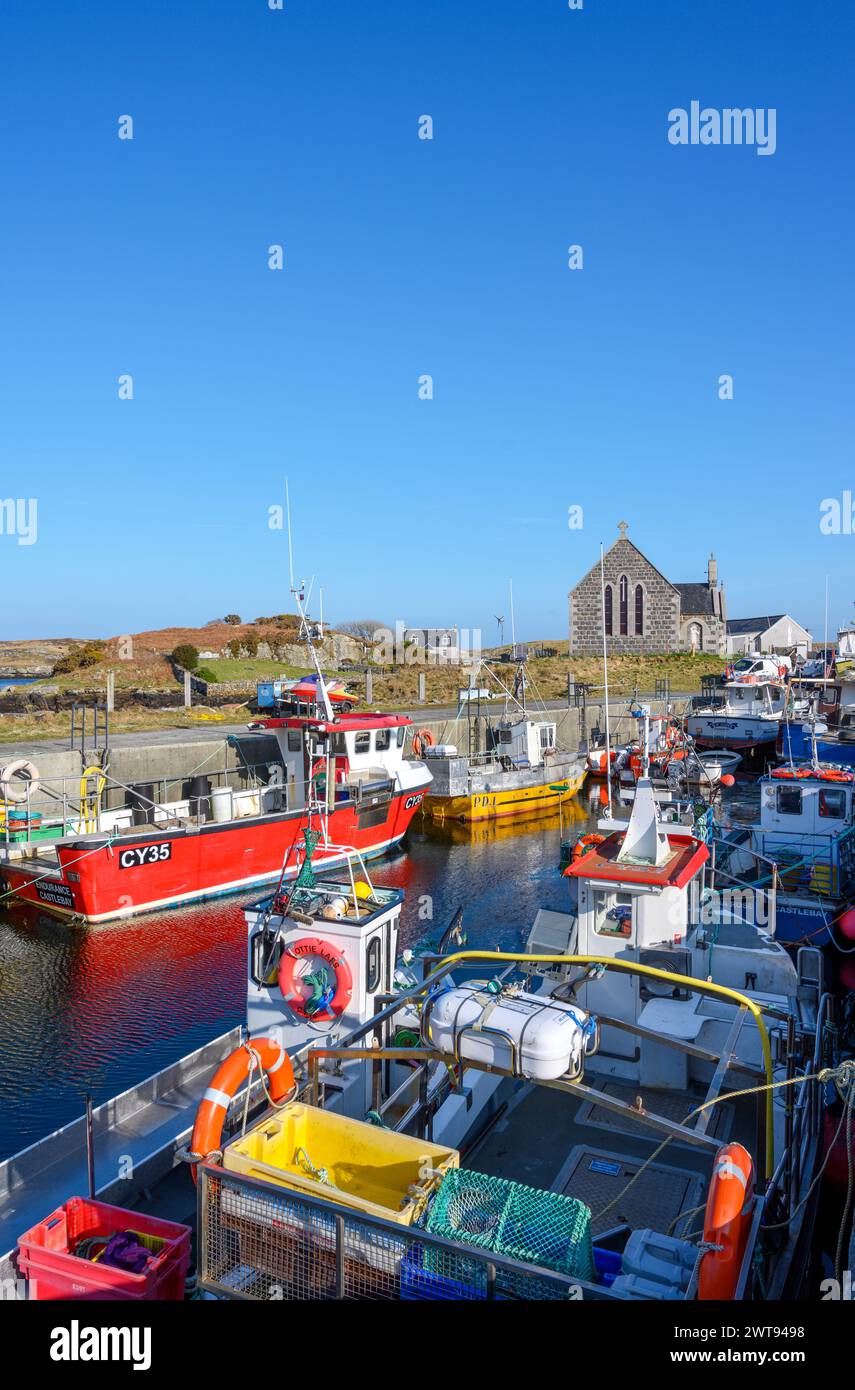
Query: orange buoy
point(726, 1222)
point(225, 1083)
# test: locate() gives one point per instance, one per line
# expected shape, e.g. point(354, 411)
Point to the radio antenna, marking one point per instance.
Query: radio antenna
point(290, 547)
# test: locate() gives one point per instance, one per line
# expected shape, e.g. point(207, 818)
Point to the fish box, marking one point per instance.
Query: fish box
point(526, 1034)
point(359, 1165)
point(48, 1254)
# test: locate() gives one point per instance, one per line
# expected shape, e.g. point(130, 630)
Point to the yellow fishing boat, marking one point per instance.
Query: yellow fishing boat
point(522, 774)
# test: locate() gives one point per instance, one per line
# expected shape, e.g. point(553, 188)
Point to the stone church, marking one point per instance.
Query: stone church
point(644, 611)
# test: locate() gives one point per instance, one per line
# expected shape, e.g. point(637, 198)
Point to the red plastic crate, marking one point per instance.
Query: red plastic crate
point(44, 1255)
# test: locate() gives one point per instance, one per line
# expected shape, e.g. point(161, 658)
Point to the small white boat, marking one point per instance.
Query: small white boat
point(710, 767)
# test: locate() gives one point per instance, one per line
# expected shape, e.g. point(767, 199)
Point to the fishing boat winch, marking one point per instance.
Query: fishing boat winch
point(504, 1027)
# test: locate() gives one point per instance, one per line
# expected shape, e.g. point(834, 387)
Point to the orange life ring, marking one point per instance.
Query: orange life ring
point(672, 736)
point(726, 1222)
point(422, 739)
point(585, 843)
point(225, 1083)
point(339, 998)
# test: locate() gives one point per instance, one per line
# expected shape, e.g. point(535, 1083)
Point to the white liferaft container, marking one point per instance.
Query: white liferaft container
point(538, 1037)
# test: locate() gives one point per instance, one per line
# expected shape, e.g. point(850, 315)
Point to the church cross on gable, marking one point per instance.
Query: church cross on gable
point(642, 610)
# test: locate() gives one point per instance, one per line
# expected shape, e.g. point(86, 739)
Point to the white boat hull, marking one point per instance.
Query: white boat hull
point(729, 731)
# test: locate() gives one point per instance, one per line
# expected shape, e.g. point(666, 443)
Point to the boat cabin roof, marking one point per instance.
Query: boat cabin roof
point(312, 901)
point(687, 856)
point(754, 682)
point(340, 724)
point(804, 772)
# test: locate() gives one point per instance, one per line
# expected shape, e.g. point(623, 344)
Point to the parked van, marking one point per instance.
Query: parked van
point(472, 695)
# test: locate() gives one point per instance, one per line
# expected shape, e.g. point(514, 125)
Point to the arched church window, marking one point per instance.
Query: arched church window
point(624, 605)
point(607, 605)
point(639, 611)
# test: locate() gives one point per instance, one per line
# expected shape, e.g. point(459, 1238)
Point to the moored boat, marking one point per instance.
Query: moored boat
point(522, 773)
point(747, 715)
point(802, 850)
point(98, 862)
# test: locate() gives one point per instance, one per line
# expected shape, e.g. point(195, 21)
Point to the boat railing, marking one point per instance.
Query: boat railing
point(88, 803)
point(417, 1099)
point(264, 1242)
point(765, 883)
point(815, 863)
point(785, 1203)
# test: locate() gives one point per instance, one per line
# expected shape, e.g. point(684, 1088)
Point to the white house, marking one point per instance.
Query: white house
point(773, 633)
point(440, 645)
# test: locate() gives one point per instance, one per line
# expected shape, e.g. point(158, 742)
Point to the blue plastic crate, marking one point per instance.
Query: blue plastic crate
point(606, 1265)
point(419, 1283)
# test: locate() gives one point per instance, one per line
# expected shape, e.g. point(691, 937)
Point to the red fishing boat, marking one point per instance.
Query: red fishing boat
point(344, 776)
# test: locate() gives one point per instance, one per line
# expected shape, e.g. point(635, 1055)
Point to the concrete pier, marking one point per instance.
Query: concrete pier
point(165, 758)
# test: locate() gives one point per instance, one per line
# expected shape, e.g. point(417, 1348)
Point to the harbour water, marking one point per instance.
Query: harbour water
point(98, 1010)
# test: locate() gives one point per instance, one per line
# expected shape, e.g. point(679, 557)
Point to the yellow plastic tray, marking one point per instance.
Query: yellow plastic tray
point(372, 1169)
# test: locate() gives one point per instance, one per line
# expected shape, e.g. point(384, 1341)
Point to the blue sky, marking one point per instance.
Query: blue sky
point(403, 257)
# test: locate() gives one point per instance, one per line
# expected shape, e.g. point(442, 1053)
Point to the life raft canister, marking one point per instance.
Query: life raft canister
point(726, 1222)
point(225, 1083)
point(328, 1003)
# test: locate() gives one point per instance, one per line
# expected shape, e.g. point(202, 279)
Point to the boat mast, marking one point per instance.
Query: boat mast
point(606, 680)
point(298, 594)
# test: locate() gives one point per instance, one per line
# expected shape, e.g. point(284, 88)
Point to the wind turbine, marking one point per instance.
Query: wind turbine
point(500, 622)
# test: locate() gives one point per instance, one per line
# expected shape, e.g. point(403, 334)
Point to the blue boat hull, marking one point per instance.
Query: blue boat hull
point(794, 743)
point(802, 923)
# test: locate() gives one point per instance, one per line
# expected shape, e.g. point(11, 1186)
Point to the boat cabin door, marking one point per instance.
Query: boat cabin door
point(292, 747)
point(608, 926)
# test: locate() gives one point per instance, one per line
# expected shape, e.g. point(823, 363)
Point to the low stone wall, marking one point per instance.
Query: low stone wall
point(25, 700)
point(220, 691)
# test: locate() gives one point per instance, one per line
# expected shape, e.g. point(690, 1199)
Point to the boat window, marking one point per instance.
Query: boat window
point(624, 605)
point(789, 801)
point(613, 914)
point(607, 605)
point(382, 740)
point(265, 956)
point(294, 741)
point(372, 965)
point(547, 736)
point(362, 743)
point(832, 802)
point(338, 747)
point(401, 735)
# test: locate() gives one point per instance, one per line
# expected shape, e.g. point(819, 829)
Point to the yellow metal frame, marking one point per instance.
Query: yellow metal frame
point(685, 981)
point(90, 801)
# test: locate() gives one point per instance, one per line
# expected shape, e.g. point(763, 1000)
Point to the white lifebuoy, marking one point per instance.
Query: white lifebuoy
point(18, 780)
